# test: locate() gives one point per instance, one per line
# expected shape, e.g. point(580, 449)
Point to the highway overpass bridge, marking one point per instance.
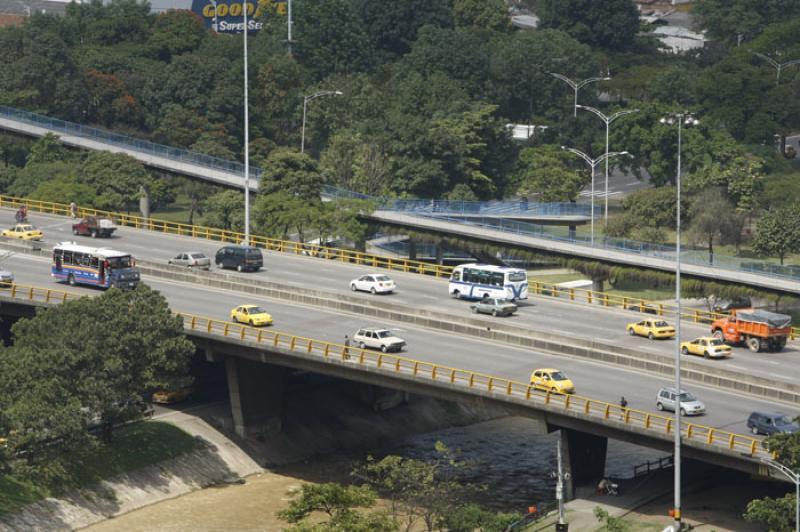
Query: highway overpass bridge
point(507, 225)
point(258, 361)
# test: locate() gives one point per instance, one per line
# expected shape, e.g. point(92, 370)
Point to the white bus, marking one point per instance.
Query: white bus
point(476, 281)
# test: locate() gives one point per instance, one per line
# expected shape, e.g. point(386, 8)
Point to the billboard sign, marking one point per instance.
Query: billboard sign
point(226, 16)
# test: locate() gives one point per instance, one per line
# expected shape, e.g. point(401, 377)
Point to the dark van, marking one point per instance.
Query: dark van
point(242, 258)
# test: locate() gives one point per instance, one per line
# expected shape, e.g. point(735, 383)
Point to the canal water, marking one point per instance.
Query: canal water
point(505, 455)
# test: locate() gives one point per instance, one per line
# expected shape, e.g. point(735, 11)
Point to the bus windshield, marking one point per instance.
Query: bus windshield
point(516, 276)
point(117, 263)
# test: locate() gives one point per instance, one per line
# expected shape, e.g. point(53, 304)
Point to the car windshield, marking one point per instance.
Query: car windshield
point(516, 277)
point(256, 310)
point(382, 278)
point(783, 420)
point(383, 334)
point(716, 341)
point(660, 324)
point(25, 228)
point(197, 255)
point(687, 397)
point(558, 376)
point(500, 301)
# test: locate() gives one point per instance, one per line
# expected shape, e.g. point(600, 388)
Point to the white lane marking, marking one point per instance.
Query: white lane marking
point(737, 367)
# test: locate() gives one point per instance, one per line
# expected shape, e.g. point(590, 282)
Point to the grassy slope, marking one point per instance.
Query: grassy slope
point(134, 446)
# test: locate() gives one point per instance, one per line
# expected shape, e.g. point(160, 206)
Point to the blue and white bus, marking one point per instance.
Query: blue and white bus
point(101, 267)
point(476, 281)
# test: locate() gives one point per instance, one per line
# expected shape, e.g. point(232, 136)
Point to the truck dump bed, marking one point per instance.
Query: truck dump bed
point(772, 319)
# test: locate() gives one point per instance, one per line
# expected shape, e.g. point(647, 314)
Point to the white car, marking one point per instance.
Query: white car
point(377, 338)
point(376, 283)
point(6, 278)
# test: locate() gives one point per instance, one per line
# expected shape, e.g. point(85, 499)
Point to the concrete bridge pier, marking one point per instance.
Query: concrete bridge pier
point(412, 249)
point(583, 456)
point(256, 394)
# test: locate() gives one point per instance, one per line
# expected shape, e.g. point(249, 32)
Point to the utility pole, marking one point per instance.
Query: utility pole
point(561, 525)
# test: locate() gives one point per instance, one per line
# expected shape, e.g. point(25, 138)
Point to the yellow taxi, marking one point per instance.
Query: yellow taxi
point(251, 314)
point(23, 232)
point(552, 380)
point(707, 347)
point(166, 397)
point(652, 328)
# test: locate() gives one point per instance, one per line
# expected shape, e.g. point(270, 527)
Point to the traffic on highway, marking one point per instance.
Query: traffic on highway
point(723, 409)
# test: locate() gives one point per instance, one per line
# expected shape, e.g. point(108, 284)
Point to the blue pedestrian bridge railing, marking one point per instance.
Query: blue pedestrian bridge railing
point(697, 257)
point(127, 142)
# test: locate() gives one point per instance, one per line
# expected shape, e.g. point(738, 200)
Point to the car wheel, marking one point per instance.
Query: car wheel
point(631, 332)
point(233, 318)
point(219, 265)
point(659, 407)
point(474, 310)
point(353, 287)
point(494, 313)
point(239, 268)
point(93, 234)
point(71, 279)
point(384, 348)
point(754, 430)
point(372, 291)
point(683, 412)
point(456, 294)
point(650, 335)
point(362, 345)
point(74, 231)
point(685, 351)
point(706, 355)
point(252, 323)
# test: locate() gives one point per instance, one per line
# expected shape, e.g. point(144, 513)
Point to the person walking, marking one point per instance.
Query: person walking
point(623, 403)
point(346, 352)
point(73, 210)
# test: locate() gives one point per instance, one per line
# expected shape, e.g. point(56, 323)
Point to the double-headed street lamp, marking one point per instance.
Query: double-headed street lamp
point(682, 119)
point(794, 477)
point(593, 164)
point(245, 5)
point(777, 66)
point(307, 99)
point(607, 119)
point(577, 85)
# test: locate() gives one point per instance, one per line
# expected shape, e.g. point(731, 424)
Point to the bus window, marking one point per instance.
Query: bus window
point(456, 276)
point(67, 258)
point(497, 278)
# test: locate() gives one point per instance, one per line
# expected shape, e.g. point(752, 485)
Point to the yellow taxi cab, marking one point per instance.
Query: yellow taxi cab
point(706, 346)
point(552, 380)
point(652, 328)
point(166, 397)
point(251, 314)
point(24, 232)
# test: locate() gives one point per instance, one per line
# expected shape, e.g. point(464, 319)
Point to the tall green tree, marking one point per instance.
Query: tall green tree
point(777, 514)
point(609, 24)
point(338, 504)
point(118, 179)
point(778, 233)
point(488, 15)
point(86, 360)
point(292, 172)
point(224, 210)
point(727, 20)
point(712, 218)
point(544, 173)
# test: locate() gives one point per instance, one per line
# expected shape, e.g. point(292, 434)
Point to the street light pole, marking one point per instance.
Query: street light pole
point(593, 164)
point(777, 66)
point(607, 119)
point(246, 137)
point(289, 25)
point(688, 120)
point(577, 85)
point(307, 99)
point(794, 477)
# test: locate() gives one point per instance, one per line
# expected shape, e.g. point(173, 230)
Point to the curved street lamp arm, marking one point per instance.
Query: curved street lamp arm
point(592, 80)
point(620, 114)
point(791, 475)
point(322, 93)
point(613, 154)
point(790, 63)
point(768, 59)
point(596, 111)
point(565, 79)
point(579, 153)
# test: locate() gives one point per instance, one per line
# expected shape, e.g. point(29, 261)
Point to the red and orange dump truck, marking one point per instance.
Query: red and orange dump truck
point(758, 329)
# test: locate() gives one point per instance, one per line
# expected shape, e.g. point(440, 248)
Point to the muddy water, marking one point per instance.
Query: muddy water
point(504, 454)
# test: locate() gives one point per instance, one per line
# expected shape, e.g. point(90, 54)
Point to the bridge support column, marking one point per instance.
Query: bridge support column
point(437, 249)
point(144, 202)
point(412, 249)
point(584, 458)
point(256, 394)
point(598, 284)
